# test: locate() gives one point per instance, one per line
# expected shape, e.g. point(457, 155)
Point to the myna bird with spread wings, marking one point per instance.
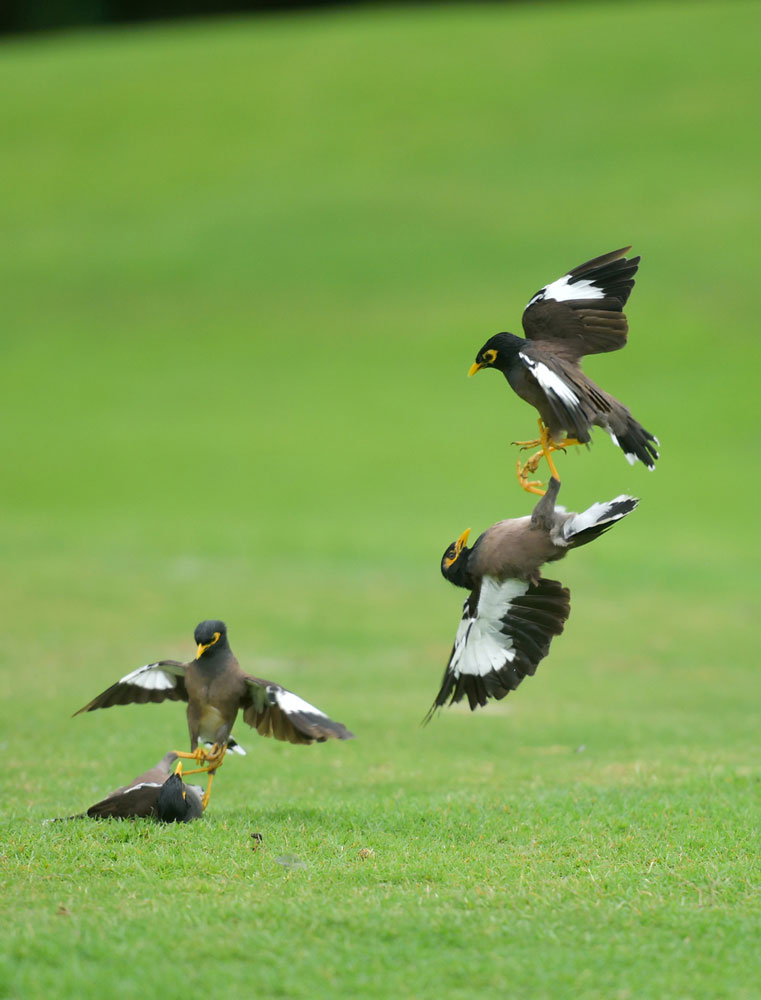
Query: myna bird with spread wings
point(580, 313)
point(513, 613)
point(215, 688)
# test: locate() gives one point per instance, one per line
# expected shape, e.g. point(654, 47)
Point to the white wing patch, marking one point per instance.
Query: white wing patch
point(549, 381)
point(290, 703)
point(480, 646)
point(151, 677)
point(563, 290)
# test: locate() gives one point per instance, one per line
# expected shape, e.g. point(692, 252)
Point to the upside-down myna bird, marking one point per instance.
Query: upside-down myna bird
point(215, 688)
point(158, 794)
point(512, 612)
point(580, 313)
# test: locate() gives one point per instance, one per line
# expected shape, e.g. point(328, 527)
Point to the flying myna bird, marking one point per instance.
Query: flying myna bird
point(215, 688)
point(512, 612)
point(580, 313)
point(158, 794)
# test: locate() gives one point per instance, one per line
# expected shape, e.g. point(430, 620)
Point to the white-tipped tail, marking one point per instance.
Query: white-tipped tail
point(584, 527)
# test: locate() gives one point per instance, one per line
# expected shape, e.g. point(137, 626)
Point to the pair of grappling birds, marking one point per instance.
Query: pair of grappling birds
point(511, 613)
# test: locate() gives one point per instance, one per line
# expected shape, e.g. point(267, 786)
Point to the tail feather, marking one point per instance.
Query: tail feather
point(582, 528)
point(637, 444)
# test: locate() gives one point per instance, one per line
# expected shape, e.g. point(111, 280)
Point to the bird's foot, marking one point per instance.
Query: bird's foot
point(199, 755)
point(546, 445)
point(213, 759)
point(562, 445)
point(525, 445)
point(547, 442)
point(534, 485)
point(216, 755)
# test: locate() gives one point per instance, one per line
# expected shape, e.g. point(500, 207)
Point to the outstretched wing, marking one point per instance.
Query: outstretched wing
point(506, 629)
point(162, 681)
point(583, 310)
point(273, 711)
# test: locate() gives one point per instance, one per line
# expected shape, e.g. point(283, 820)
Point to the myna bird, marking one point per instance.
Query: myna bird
point(512, 613)
point(178, 802)
point(158, 794)
point(215, 688)
point(580, 313)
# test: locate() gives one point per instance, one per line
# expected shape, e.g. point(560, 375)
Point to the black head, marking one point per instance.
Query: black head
point(211, 637)
point(499, 352)
point(178, 802)
point(454, 562)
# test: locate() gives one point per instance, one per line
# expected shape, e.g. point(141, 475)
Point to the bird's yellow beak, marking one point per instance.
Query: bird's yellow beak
point(459, 545)
point(202, 649)
point(475, 367)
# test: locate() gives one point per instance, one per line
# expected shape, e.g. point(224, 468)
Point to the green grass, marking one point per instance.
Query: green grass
point(246, 266)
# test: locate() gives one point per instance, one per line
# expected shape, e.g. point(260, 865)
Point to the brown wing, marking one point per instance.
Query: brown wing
point(162, 681)
point(273, 711)
point(136, 800)
point(583, 310)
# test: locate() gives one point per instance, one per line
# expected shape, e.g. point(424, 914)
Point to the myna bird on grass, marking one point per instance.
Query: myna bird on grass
point(158, 794)
point(580, 313)
point(512, 613)
point(178, 802)
point(215, 688)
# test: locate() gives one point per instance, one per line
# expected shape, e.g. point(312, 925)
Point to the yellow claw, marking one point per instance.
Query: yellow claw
point(530, 486)
point(546, 446)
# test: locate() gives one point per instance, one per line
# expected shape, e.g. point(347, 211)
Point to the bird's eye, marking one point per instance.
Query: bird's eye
point(490, 356)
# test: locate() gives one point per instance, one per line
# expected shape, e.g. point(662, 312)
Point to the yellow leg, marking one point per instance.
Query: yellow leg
point(548, 447)
point(207, 794)
point(213, 759)
point(199, 755)
point(218, 755)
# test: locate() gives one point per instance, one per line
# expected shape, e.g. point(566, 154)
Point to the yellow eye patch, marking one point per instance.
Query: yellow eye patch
point(203, 647)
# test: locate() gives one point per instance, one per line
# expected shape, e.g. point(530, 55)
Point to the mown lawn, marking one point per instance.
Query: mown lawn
point(246, 266)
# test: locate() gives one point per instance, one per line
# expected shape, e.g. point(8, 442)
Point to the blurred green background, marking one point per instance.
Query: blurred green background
point(245, 268)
